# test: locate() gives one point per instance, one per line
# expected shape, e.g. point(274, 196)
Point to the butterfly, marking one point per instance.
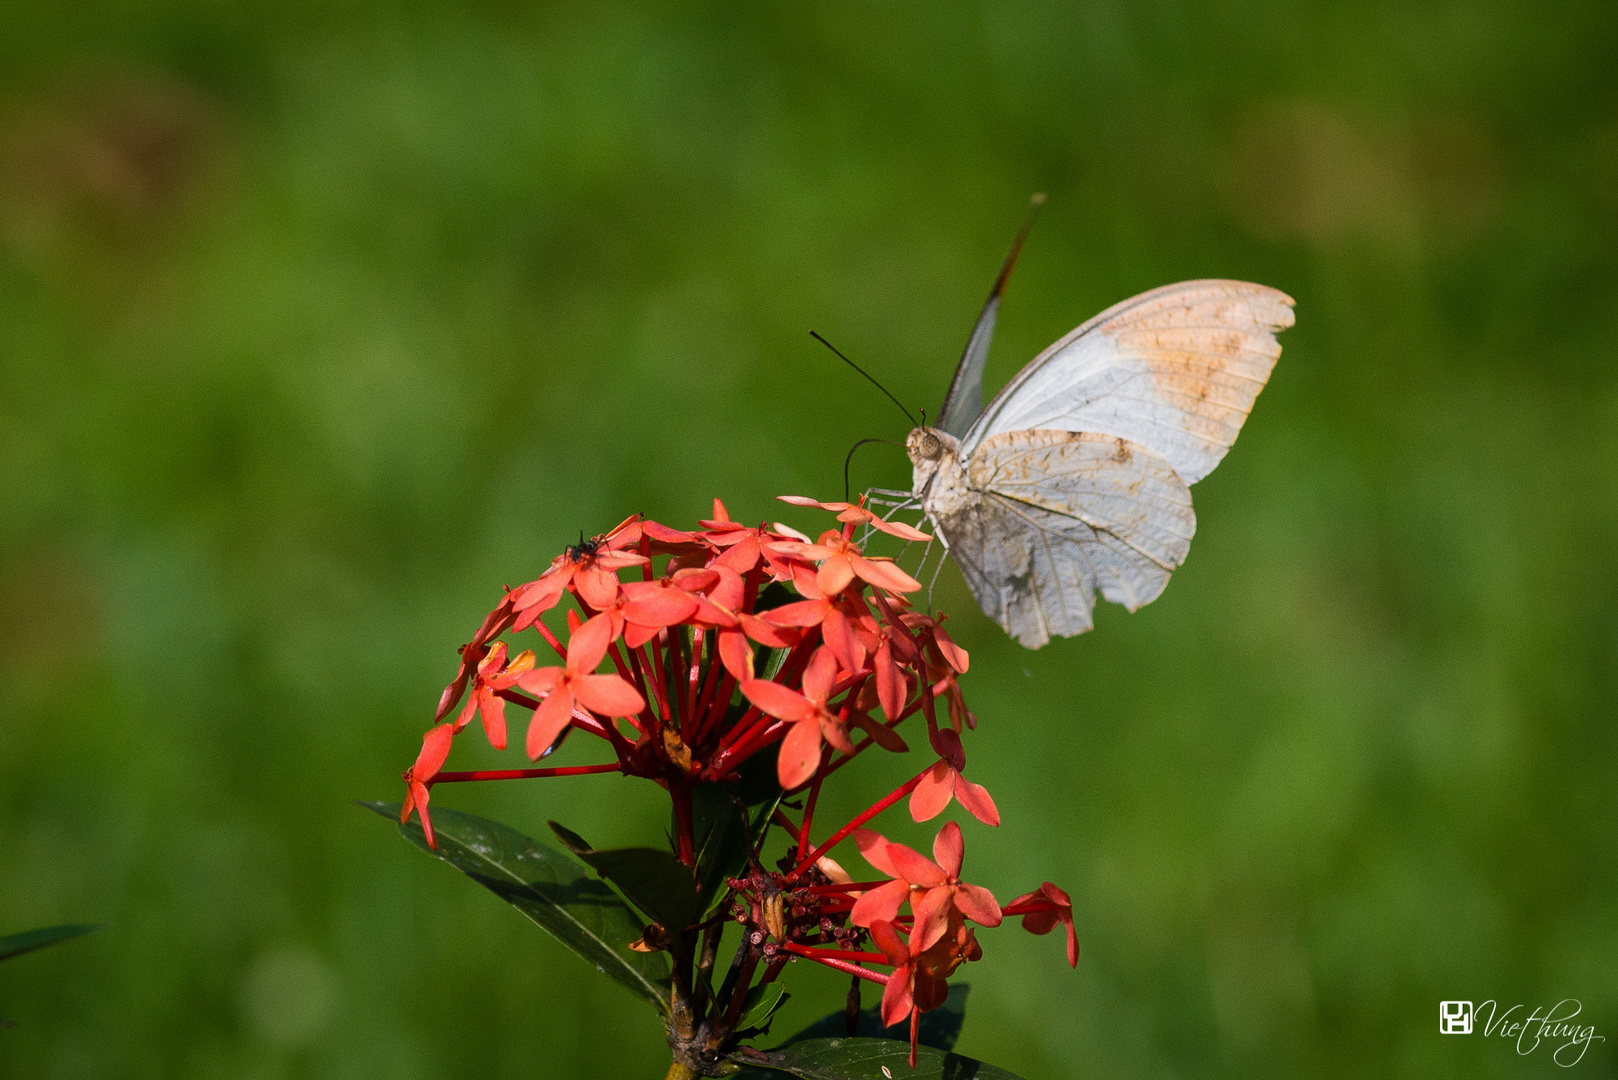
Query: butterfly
point(1076, 477)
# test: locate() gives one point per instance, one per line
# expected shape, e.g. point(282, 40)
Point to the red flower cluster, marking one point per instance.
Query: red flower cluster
point(712, 662)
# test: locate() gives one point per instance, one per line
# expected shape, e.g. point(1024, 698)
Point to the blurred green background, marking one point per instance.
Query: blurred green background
point(320, 322)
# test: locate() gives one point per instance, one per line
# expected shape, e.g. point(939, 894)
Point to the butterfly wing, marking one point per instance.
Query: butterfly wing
point(964, 401)
point(1059, 516)
point(1175, 370)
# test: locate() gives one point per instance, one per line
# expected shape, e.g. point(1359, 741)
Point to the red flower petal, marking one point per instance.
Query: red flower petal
point(1040, 922)
point(549, 719)
point(800, 613)
point(597, 587)
point(884, 574)
point(886, 937)
point(736, 654)
point(891, 688)
point(435, 746)
point(881, 903)
point(740, 557)
point(884, 736)
point(636, 636)
point(835, 574)
point(608, 695)
point(897, 999)
point(934, 792)
point(492, 707)
point(695, 579)
point(839, 636)
point(835, 734)
point(874, 847)
point(900, 529)
point(820, 676)
point(953, 654)
point(932, 919)
point(915, 867)
point(800, 754)
point(710, 615)
point(418, 792)
point(589, 644)
point(660, 607)
point(730, 590)
point(778, 701)
point(776, 637)
point(975, 798)
point(540, 681)
point(977, 904)
point(467, 710)
point(546, 591)
point(949, 849)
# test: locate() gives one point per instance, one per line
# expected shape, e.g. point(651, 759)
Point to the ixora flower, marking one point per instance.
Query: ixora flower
point(686, 659)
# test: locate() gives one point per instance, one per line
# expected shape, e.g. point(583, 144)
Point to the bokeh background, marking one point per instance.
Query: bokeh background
point(319, 322)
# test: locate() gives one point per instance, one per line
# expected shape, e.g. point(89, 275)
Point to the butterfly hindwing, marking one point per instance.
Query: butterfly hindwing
point(1060, 516)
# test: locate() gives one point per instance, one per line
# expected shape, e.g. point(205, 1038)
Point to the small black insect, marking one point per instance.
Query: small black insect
point(584, 548)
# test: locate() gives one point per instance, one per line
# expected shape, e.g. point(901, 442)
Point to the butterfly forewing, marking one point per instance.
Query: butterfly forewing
point(1175, 370)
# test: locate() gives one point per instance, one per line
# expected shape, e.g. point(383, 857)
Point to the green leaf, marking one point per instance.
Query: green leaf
point(29, 940)
point(720, 827)
point(653, 880)
point(939, 1028)
point(549, 888)
point(760, 1005)
point(869, 1059)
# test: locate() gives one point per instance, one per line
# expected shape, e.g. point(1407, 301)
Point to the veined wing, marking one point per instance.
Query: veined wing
point(1060, 516)
point(1175, 370)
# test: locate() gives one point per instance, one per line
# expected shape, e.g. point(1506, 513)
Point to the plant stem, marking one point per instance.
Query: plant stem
point(678, 1071)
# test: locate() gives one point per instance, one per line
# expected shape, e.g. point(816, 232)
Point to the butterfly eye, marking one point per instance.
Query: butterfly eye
point(931, 446)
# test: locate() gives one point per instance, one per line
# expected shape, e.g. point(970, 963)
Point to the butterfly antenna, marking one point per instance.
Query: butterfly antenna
point(867, 374)
point(850, 458)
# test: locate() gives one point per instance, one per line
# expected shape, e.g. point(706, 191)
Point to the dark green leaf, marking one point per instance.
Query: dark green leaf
point(653, 880)
point(869, 1059)
point(29, 940)
point(720, 827)
point(940, 1028)
point(549, 888)
point(761, 1003)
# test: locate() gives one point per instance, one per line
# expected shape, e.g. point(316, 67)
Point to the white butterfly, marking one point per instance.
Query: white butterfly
point(1075, 478)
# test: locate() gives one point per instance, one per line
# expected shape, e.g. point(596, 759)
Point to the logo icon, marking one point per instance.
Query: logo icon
point(1455, 1017)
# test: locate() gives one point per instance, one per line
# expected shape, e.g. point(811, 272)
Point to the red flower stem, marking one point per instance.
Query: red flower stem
point(859, 747)
point(755, 734)
point(837, 837)
point(652, 655)
point(835, 964)
point(768, 733)
point(681, 794)
point(656, 677)
point(693, 684)
point(704, 710)
point(1029, 907)
point(649, 693)
point(545, 632)
point(523, 774)
point(809, 809)
point(518, 699)
point(838, 954)
point(632, 675)
point(834, 888)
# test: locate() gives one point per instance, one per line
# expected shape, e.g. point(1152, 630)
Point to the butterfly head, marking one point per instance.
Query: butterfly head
point(929, 448)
